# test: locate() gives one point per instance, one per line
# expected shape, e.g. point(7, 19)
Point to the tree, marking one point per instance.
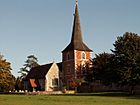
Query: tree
point(7, 80)
point(103, 68)
point(19, 84)
point(87, 72)
point(127, 57)
point(29, 63)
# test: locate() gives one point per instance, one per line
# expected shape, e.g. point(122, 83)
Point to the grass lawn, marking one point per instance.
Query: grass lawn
point(80, 99)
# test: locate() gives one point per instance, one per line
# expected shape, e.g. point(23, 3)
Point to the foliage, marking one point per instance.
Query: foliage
point(31, 62)
point(84, 75)
point(19, 84)
point(88, 72)
point(7, 80)
point(103, 68)
point(127, 57)
point(121, 67)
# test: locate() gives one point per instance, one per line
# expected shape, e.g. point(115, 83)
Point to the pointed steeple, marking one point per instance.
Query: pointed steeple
point(76, 40)
point(76, 33)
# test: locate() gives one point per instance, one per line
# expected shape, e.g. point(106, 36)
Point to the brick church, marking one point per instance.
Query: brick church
point(75, 56)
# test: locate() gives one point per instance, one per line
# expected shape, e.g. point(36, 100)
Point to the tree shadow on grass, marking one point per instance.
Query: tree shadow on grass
point(116, 94)
point(107, 94)
point(134, 97)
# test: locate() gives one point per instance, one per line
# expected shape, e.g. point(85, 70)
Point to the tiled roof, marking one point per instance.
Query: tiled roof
point(39, 72)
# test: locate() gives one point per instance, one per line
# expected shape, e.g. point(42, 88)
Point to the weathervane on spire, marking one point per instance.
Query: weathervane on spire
point(77, 2)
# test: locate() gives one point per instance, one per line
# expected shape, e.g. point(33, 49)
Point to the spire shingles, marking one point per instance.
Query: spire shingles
point(76, 40)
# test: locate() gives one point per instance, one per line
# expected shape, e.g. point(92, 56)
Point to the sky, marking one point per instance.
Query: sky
point(44, 27)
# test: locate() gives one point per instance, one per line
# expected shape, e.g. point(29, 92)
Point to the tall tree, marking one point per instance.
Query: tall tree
point(103, 68)
point(19, 85)
point(127, 57)
point(7, 80)
point(31, 62)
point(87, 72)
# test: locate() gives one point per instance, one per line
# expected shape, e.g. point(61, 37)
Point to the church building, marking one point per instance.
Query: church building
point(75, 56)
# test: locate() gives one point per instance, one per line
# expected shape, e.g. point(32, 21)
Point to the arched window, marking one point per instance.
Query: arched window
point(83, 55)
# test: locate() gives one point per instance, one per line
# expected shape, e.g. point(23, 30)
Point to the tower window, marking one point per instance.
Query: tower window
point(83, 55)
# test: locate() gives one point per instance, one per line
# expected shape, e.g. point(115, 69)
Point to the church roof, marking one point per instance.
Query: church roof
point(76, 40)
point(39, 72)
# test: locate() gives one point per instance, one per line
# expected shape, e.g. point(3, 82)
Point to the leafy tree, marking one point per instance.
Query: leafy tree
point(84, 75)
point(103, 68)
point(29, 63)
point(19, 84)
point(127, 57)
point(7, 80)
point(88, 72)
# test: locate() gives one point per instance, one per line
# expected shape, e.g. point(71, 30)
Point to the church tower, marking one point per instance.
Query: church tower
point(76, 54)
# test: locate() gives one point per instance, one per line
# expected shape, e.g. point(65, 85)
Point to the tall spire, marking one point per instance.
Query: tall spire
point(77, 40)
point(76, 33)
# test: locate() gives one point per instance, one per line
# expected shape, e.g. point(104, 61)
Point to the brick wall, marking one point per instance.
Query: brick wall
point(71, 63)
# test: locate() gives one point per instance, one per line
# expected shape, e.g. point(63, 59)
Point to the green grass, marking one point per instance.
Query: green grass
point(80, 99)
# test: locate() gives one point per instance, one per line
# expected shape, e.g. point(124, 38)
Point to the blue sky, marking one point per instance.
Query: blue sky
point(44, 27)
